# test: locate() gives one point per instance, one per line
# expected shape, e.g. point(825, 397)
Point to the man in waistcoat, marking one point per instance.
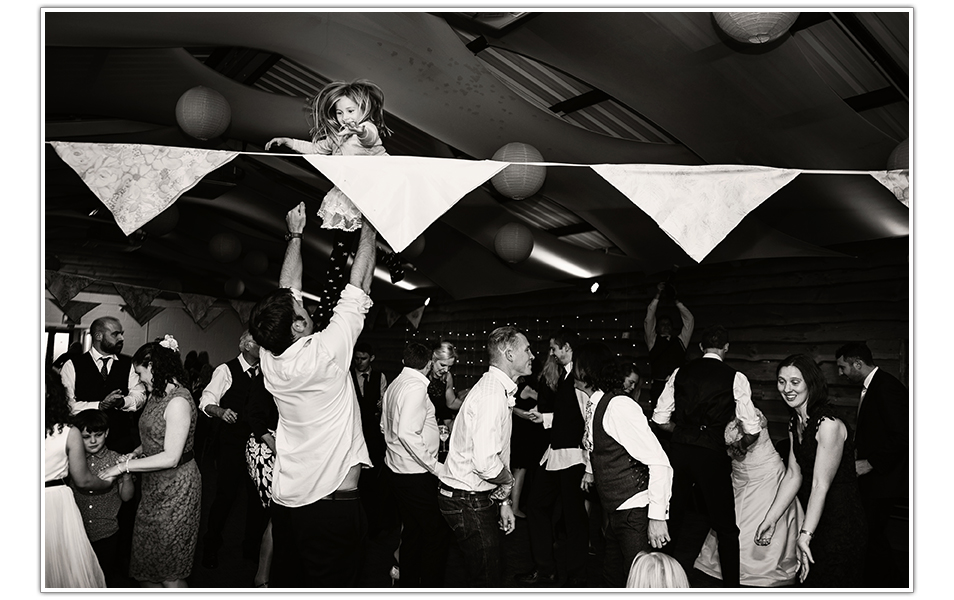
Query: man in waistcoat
point(881, 456)
point(104, 379)
point(369, 385)
point(667, 352)
point(225, 399)
point(558, 479)
point(699, 400)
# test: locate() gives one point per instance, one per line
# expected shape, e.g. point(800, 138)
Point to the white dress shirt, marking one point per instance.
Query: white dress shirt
point(563, 458)
point(132, 401)
point(220, 383)
point(480, 440)
point(319, 438)
point(744, 409)
point(409, 425)
point(625, 422)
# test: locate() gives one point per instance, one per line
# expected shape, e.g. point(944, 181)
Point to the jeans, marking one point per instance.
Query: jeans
point(473, 519)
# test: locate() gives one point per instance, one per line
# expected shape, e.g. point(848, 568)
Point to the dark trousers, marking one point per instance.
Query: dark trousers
point(107, 553)
point(473, 519)
point(318, 545)
point(880, 567)
point(233, 483)
point(626, 536)
point(710, 472)
point(425, 536)
point(549, 489)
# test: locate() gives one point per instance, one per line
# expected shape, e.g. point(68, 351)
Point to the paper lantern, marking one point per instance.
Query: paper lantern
point(255, 262)
point(755, 27)
point(163, 223)
point(414, 249)
point(513, 242)
point(225, 247)
point(519, 181)
point(899, 157)
point(203, 113)
point(234, 287)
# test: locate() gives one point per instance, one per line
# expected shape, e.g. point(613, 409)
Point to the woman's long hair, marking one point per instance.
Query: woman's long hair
point(57, 412)
point(166, 366)
point(551, 372)
point(814, 380)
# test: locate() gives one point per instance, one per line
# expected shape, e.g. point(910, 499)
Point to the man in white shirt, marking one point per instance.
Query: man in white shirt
point(477, 470)
point(699, 400)
point(411, 437)
point(632, 472)
point(318, 523)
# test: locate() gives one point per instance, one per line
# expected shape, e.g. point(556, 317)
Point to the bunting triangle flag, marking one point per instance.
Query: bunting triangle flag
point(898, 182)
point(243, 308)
point(415, 316)
point(74, 310)
point(211, 315)
point(392, 315)
point(137, 298)
point(696, 206)
point(136, 182)
point(65, 286)
point(144, 314)
point(402, 195)
point(196, 305)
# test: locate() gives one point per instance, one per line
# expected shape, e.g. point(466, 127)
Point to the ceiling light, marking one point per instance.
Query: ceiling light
point(594, 287)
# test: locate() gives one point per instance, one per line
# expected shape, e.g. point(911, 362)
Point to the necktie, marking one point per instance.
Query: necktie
point(104, 371)
point(364, 383)
point(588, 421)
point(252, 372)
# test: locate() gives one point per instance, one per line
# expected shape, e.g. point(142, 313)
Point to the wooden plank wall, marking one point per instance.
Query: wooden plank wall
point(771, 307)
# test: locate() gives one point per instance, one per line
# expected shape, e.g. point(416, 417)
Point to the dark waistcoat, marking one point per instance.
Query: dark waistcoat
point(91, 387)
point(666, 356)
point(618, 475)
point(568, 426)
point(704, 403)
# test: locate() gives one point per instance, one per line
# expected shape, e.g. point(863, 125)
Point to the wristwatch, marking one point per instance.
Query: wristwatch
point(291, 235)
point(506, 502)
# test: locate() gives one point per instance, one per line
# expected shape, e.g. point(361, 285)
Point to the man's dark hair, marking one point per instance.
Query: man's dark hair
point(92, 420)
point(416, 356)
point(271, 320)
point(564, 336)
point(855, 351)
point(715, 336)
point(595, 365)
point(365, 347)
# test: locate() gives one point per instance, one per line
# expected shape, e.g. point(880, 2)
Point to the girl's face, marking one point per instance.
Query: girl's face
point(792, 386)
point(346, 110)
point(145, 375)
point(442, 366)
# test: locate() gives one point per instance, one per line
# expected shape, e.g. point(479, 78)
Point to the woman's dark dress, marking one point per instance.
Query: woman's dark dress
point(167, 520)
point(437, 392)
point(838, 543)
point(528, 440)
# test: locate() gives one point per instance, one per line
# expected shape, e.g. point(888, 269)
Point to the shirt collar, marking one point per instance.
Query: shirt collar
point(712, 355)
point(509, 385)
point(568, 367)
point(868, 378)
point(415, 374)
point(98, 355)
point(245, 365)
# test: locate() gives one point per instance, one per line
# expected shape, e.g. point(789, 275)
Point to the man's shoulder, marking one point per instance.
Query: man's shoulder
point(887, 382)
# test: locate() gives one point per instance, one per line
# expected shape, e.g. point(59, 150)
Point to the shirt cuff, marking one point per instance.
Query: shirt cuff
point(355, 294)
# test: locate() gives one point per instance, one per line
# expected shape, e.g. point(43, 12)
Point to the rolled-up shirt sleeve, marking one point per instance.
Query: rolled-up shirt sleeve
point(662, 414)
point(220, 383)
point(346, 324)
point(745, 411)
point(625, 422)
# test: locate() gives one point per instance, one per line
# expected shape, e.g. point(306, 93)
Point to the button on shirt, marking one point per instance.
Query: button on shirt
point(409, 425)
point(319, 436)
point(480, 440)
point(625, 422)
point(220, 383)
point(741, 390)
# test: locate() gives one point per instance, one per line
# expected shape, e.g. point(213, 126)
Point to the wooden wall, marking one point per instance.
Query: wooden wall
point(771, 307)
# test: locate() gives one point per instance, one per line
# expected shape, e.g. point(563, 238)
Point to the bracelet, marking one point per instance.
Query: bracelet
point(290, 235)
point(806, 532)
point(506, 502)
point(127, 464)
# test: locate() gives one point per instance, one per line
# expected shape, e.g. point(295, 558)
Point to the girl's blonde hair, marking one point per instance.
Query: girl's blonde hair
point(656, 570)
point(368, 97)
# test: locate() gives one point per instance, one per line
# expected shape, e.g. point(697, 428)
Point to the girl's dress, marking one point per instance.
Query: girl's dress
point(755, 481)
point(167, 521)
point(70, 559)
point(337, 211)
point(839, 541)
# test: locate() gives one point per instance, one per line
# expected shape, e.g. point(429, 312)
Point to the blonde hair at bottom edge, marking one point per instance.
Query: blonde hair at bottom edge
point(656, 570)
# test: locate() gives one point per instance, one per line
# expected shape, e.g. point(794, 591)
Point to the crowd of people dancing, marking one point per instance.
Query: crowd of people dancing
point(329, 454)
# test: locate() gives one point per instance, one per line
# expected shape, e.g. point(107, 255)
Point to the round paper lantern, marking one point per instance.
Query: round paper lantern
point(225, 247)
point(234, 287)
point(163, 223)
point(255, 262)
point(513, 242)
point(899, 157)
point(755, 27)
point(519, 181)
point(414, 249)
point(203, 113)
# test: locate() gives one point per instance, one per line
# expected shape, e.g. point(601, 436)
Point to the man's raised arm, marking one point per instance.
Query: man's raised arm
point(291, 266)
point(362, 269)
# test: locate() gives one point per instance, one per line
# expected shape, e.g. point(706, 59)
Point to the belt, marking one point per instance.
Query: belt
point(446, 490)
point(343, 495)
point(186, 457)
point(55, 482)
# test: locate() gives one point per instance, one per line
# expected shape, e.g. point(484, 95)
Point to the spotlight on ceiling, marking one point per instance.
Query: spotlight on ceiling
point(427, 301)
point(594, 287)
